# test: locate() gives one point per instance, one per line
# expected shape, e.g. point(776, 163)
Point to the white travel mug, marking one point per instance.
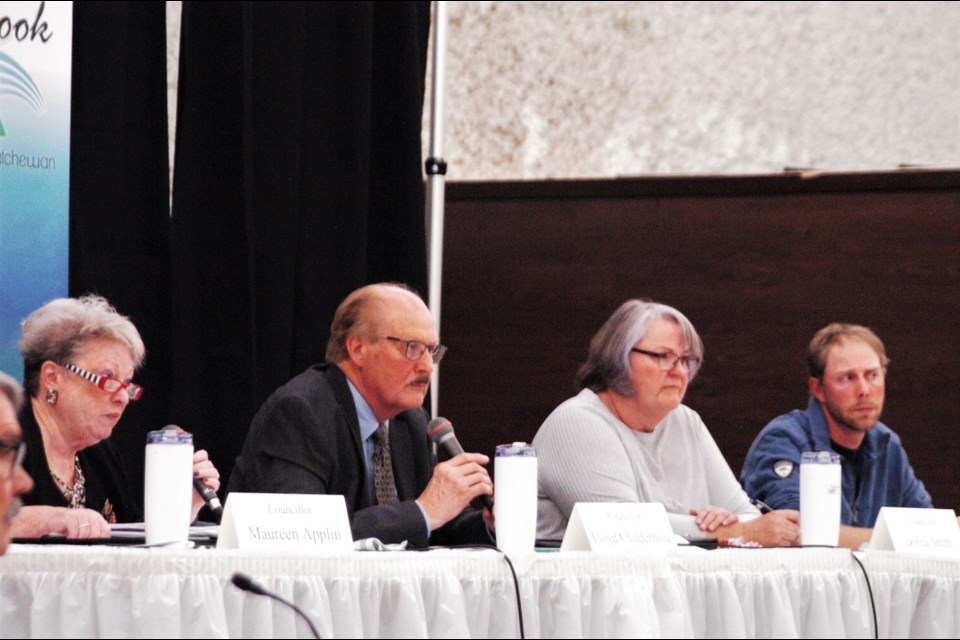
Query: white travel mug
point(515, 497)
point(168, 486)
point(820, 495)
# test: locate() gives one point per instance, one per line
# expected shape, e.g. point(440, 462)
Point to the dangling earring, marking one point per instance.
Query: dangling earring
point(52, 396)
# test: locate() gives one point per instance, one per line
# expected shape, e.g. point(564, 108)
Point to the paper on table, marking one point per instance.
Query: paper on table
point(131, 530)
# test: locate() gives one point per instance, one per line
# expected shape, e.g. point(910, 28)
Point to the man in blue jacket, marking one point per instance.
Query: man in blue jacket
point(848, 367)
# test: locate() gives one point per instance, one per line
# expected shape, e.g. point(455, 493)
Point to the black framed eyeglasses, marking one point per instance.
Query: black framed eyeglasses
point(414, 349)
point(110, 385)
point(667, 361)
point(12, 453)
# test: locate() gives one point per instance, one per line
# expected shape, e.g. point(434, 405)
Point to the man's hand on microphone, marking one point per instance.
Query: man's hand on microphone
point(454, 484)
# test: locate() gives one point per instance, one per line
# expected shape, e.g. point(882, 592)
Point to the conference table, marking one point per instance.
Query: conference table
point(54, 591)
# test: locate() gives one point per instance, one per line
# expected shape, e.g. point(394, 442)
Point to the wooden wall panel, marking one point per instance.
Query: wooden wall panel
point(531, 271)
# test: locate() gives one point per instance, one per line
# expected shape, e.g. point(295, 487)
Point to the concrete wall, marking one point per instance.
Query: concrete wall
point(541, 90)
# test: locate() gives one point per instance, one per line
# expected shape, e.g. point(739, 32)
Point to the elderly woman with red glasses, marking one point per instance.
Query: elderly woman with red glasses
point(79, 357)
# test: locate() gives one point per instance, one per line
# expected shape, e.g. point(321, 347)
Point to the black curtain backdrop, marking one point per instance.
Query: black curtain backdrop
point(297, 179)
point(119, 202)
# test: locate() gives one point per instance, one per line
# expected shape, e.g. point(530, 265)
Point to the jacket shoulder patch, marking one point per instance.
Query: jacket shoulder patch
point(782, 468)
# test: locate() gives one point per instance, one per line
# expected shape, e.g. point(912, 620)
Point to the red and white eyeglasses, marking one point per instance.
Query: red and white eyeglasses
point(110, 385)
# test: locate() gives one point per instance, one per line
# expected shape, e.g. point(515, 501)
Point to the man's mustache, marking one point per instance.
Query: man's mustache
point(15, 505)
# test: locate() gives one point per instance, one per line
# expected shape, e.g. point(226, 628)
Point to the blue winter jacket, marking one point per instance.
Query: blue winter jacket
point(771, 471)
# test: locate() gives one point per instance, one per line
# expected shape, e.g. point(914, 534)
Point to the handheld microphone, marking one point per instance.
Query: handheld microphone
point(441, 434)
point(246, 583)
point(209, 496)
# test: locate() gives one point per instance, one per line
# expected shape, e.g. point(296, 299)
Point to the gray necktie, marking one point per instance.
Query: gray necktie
point(383, 468)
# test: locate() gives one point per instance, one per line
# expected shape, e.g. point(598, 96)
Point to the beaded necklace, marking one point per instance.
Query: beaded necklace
point(77, 494)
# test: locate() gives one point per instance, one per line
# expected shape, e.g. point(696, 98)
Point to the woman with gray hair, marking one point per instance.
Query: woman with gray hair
point(79, 357)
point(626, 437)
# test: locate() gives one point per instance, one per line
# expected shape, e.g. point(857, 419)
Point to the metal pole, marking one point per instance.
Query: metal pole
point(436, 169)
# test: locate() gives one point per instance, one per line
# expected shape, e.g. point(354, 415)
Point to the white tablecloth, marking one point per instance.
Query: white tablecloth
point(75, 591)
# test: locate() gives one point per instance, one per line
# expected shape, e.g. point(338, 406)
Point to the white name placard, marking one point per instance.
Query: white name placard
point(608, 526)
point(287, 521)
point(917, 530)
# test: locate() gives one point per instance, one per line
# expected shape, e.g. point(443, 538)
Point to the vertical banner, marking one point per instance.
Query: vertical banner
point(36, 41)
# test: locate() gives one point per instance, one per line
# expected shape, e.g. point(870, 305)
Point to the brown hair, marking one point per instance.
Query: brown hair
point(837, 333)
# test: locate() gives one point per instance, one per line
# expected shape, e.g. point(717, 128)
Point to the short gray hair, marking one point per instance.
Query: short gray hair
point(58, 330)
point(11, 389)
point(608, 360)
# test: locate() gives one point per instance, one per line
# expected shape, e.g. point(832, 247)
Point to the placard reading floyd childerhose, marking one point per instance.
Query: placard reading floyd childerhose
point(615, 526)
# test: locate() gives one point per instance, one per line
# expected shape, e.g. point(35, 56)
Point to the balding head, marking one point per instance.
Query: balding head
point(359, 312)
